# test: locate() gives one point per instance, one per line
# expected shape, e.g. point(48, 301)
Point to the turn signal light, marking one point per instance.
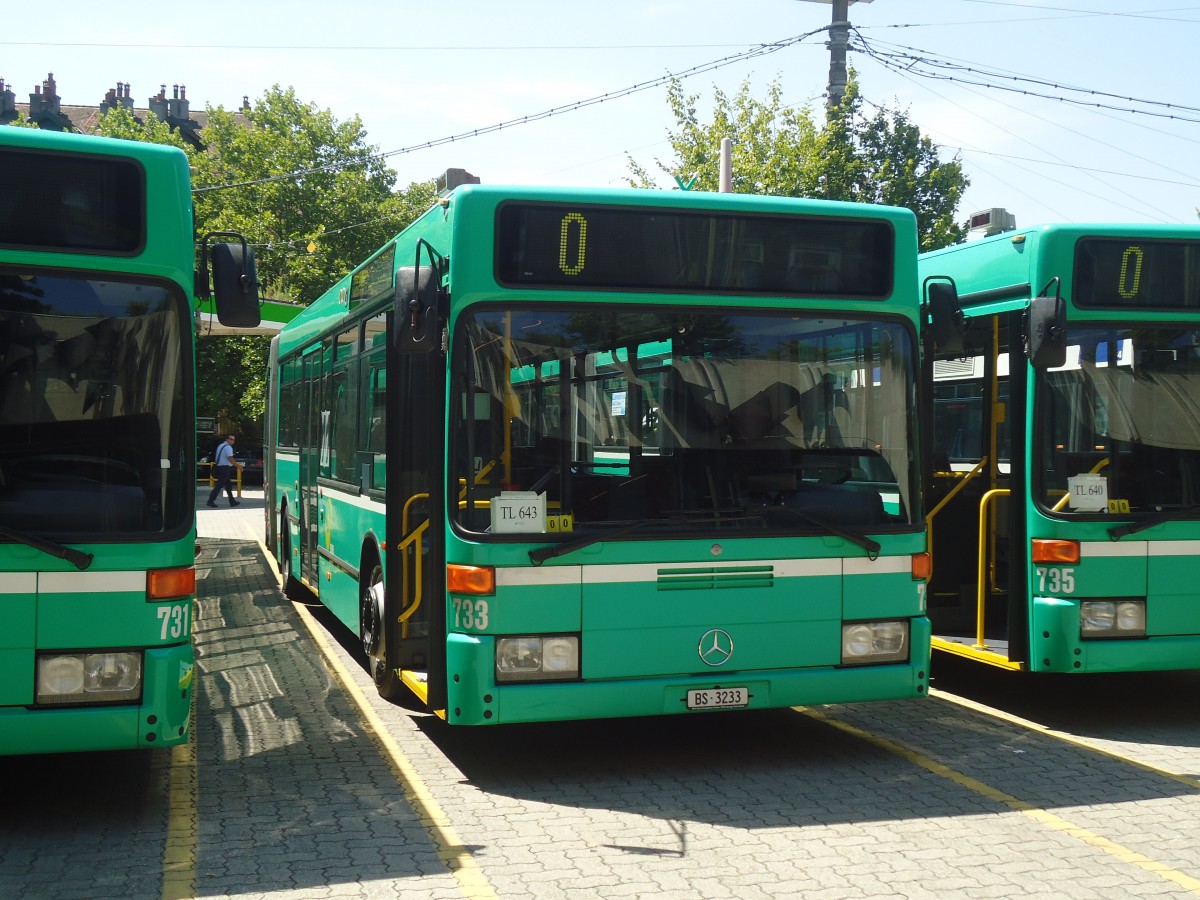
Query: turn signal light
point(470, 579)
point(1055, 551)
point(922, 566)
point(164, 584)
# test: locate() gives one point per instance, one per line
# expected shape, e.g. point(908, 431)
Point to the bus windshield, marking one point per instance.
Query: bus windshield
point(687, 421)
point(1119, 424)
point(92, 407)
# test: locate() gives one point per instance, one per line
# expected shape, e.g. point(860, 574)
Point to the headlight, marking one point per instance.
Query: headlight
point(537, 658)
point(1112, 618)
point(89, 677)
point(874, 642)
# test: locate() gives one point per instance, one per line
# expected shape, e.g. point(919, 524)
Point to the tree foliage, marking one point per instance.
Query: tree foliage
point(308, 230)
point(781, 150)
point(119, 122)
point(21, 121)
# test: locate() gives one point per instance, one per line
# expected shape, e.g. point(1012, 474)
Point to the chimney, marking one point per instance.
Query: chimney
point(158, 105)
point(8, 101)
point(44, 106)
point(245, 104)
point(35, 103)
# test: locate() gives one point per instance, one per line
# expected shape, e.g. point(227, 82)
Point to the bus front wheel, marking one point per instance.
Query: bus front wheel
point(373, 632)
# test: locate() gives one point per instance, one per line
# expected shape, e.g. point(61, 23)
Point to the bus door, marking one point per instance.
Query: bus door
point(976, 496)
point(310, 444)
point(415, 603)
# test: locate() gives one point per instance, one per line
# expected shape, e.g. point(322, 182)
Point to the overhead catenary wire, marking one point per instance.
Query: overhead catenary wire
point(922, 63)
point(909, 62)
point(752, 53)
point(914, 65)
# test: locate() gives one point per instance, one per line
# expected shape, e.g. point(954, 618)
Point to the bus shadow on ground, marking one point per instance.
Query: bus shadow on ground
point(293, 792)
point(781, 768)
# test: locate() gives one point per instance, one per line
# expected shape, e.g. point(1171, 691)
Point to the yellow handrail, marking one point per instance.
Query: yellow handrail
point(982, 579)
point(933, 512)
point(410, 540)
point(414, 538)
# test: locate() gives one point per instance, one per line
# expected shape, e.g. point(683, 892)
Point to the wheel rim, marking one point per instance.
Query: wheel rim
point(371, 615)
point(285, 551)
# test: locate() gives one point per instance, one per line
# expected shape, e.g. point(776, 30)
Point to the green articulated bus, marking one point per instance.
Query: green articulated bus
point(97, 440)
point(559, 454)
point(1065, 473)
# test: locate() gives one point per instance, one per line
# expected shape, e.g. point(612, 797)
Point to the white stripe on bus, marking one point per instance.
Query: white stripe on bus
point(18, 583)
point(1174, 548)
point(1112, 548)
point(649, 572)
point(90, 582)
point(1139, 548)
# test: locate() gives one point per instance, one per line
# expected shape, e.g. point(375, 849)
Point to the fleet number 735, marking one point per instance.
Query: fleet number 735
point(1056, 580)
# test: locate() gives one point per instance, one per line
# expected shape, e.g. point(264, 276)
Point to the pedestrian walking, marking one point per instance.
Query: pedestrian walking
point(223, 465)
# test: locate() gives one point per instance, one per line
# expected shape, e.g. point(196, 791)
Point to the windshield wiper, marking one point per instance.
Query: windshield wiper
point(872, 547)
point(1119, 531)
point(541, 554)
point(77, 558)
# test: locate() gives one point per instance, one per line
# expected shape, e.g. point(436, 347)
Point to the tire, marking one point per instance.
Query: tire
point(289, 585)
point(373, 633)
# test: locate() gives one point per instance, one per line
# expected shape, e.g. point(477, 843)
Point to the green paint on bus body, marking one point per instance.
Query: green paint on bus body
point(709, 399)
point(90, 459)
point(1102, 453)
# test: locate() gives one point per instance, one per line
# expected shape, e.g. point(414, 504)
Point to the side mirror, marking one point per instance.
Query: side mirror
point(235, 281)
point(1046, 329)
point(418, 292)
point(416, 301)
point(946, 319)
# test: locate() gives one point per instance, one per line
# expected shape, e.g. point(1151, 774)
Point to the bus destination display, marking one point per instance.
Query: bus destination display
point(61, 201)
point(640, 248)
point(1137, 272)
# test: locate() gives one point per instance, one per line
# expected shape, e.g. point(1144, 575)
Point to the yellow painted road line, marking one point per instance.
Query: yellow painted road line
point(179, 853)
point(1063, 736)
point(1036, 813)
point(450, 848)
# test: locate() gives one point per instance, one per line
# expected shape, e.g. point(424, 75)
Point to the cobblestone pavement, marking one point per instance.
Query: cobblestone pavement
point(301, 787)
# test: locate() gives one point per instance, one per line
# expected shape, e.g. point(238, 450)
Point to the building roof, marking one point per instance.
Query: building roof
point(46, 108)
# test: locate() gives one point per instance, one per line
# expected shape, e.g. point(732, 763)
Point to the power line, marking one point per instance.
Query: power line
point(911, 76)
point(752, 53)
point(913, 61)
point(359, 48)
point(1144, 14)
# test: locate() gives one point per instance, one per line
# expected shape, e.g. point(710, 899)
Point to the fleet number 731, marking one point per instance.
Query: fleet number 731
point(174, 621)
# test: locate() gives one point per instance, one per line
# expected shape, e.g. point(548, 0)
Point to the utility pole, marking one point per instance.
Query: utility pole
point(839, 37)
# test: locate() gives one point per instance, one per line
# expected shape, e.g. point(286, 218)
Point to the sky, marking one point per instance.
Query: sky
point(1054, 138)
